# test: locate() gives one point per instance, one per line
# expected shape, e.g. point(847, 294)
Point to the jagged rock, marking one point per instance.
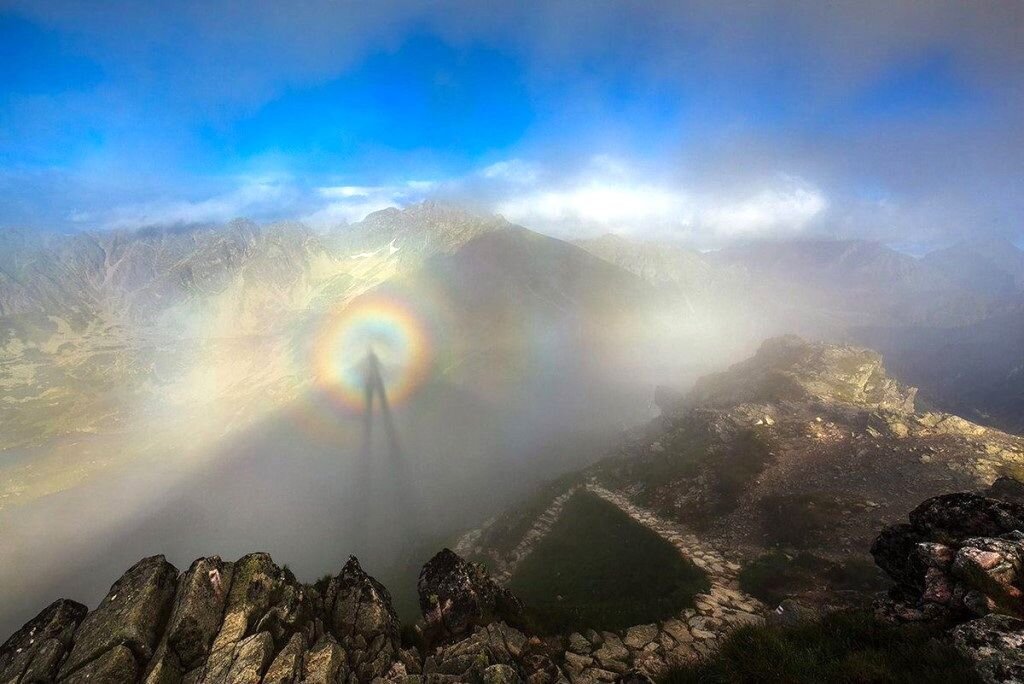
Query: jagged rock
point(579, 644)
point(251, 659)
point(788, 368)
point(262, 598)
point(363, 620)
point(612, 650)
point(287, 665)
point(995, 644)
point(195, 620)
point(34, 652)
point(116, 665)
point(495, 644)
point(324, 663)
point(456, 595)
point(132, 615)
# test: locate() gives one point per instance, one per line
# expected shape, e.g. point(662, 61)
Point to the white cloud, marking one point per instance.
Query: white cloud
point(258, 196)
point(514, 171)
point(614, 200)
point(596, 203)
point(771, 211)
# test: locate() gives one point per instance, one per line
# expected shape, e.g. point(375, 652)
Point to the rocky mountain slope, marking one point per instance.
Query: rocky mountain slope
point(808, 448)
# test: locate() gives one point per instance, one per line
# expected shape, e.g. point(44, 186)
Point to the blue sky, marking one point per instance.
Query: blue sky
point(703, 122)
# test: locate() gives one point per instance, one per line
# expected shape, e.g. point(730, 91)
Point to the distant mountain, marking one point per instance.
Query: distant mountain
point(990, 266)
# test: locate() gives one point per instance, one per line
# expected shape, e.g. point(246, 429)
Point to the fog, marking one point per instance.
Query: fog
point(299, 484)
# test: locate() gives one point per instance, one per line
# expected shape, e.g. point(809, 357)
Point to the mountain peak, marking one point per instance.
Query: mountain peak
point(789, 368)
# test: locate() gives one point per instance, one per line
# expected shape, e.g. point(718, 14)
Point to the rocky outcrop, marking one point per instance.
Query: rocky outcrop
point(360, 614)
point(35, 652)
point(960, 562)
point(961, 554)
point(122, 633)
point(252, 622)
point(456, 596)
point(789, 369)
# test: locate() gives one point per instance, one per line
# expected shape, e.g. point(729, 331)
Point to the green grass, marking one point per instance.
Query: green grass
point(599, 569)
point(850, 648)
point(777, 575)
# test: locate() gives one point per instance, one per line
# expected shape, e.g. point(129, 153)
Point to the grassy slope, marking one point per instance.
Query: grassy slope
point(843, 647)
point(599, 569)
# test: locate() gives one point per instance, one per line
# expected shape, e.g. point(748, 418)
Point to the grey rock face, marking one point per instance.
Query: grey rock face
point(34, 652)
point(132, 615)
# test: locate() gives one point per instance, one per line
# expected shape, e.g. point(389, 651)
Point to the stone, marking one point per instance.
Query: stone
point(611, 649)
point(264, 597)
point(195, 619)
point(324, 663)
point(595, 674)
point(993, 567)
point(286, 667)
point(953, 517)
point(578, 643)
point(937, 587)
point(363, 620)
point(251, 659)
point(132, 615)
point(995, 644)
point(677, 630)
point(34, 652)
point(639, 636)
point(114, 666)
point(456, 596)
point(577, 663)
point(895, 551)
point(500, 674)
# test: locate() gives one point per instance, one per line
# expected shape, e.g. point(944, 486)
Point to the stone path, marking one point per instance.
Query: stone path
point(695, 633)
point(656, 647)
point(504, 567)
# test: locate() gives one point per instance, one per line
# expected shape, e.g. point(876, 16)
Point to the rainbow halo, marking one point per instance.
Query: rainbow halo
point(392, 330)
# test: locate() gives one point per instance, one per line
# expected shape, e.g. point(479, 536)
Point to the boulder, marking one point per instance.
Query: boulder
point(895, 552)
point(456, 596)
point(993, 567)
point(34, 652)
point(952, 517)
point(132, 615)
point(495, 644)
point(995, 644)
